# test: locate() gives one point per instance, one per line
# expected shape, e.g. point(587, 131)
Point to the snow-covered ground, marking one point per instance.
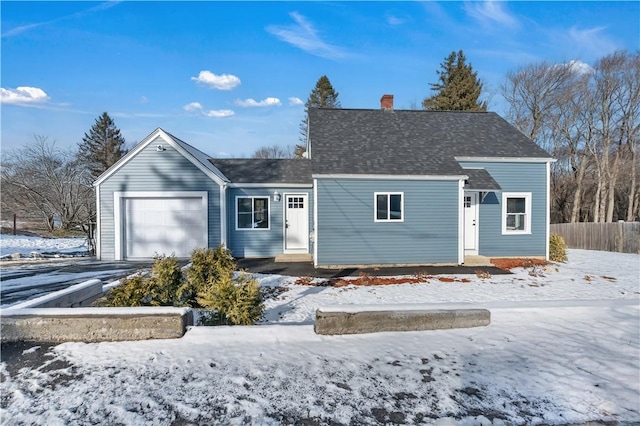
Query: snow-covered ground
point(25, 245)
point(563, 347)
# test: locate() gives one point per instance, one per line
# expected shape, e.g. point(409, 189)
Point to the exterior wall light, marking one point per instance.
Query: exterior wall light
point(276, 197)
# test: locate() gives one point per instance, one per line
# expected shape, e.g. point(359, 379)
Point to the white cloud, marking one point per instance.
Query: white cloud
point(193, 106)
point(491, 12)
point(81, 14)
point(23, 96)
point(263, 103)
point(591, 41)
point(394, 20)
point(295, 101)
point(304, 36)
point(220, 113)
point(581, 67)
point(214, 81)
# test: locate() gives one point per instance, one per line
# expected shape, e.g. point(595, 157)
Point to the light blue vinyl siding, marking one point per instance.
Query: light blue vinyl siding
point(152, 170)
point(348, 235)
point(513, 177)
point(262, 242)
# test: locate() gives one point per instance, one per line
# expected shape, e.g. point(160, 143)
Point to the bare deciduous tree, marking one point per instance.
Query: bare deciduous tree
point(275, 151)
point(41, 178)
point(590, 121)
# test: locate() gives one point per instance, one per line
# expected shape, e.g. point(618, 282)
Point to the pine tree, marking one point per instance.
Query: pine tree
point(102, 146)
point(458, 87)
point(323, 95)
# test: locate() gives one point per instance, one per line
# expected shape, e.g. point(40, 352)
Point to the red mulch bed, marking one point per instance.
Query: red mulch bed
point(366, 280)
point(519, 262)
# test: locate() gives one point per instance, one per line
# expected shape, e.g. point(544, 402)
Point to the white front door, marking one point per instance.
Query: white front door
point(296, 223)
point(471, 223)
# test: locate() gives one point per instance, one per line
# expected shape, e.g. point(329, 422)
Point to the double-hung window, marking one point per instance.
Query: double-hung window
point(252, 213)
point(389, 207)
point(516, 213)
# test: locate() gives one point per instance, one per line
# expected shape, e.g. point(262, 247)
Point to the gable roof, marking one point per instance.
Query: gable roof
point(197, 157)
point(200, 156)
point(259, 170)
point(409, 142)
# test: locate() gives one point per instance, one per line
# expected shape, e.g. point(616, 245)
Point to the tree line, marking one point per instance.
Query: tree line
point(40, 180)
point(588, 118)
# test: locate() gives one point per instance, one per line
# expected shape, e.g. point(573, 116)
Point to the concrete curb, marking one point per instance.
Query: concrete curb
point(61, 317)
point(94, 324)
point(332, 321)
point(80, 294)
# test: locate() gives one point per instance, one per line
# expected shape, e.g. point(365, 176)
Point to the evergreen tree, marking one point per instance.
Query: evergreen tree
point(458, 87)
point(323, 95)
point(102, 146)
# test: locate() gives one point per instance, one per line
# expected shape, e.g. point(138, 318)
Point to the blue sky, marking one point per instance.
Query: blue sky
point(232, 77)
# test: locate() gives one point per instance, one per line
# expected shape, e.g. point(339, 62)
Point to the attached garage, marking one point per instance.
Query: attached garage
point(150, 223)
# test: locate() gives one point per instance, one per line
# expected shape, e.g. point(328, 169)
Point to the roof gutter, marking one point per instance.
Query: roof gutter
point(390, 177)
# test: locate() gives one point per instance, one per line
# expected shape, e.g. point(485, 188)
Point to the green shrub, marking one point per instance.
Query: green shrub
point(238, 301)
point(557, 248)
point(209, 284)
point(131, 292)
point(166, 278)
point(206, 264)
point(157, 289)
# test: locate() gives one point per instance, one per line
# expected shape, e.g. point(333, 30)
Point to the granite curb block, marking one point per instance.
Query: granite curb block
point(333, 321)
point(94, 324)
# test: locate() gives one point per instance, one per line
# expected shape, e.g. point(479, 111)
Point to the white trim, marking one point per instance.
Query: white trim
point(507, 159)
point(390, 177)
point(483, 190)
point(548, 207)
point(388, 194)
point(98, 229)
point(476, 228)
point(527, 209)
point(235, 211)
point(118, 196)
point(284, 222)
point(315, 222)
point(269, 185)
point(169, 140)
point(460, 222)
point(223, 215)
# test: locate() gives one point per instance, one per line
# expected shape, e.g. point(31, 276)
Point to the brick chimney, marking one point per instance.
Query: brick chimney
point(386, 102)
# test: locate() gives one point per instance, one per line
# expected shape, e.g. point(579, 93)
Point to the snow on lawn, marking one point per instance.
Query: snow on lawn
point(10, 244)
point(561, 349)
point(588, 275)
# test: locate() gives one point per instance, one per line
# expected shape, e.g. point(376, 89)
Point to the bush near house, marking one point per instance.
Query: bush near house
point(557, 248)
point(208, 283)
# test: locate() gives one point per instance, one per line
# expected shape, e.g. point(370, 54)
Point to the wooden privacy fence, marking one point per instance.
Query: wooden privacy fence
point(623, 237)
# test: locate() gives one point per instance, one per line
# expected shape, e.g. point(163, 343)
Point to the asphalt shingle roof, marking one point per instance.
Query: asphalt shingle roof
point(259, 170)
point(409, 142)
point(480, 179)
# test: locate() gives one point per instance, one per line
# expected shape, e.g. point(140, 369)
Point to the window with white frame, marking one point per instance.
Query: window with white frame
point(252, 212)
point(389, 207)
point(516, 212)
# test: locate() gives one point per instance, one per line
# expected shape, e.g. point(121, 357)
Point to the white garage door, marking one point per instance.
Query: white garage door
point(164, 226)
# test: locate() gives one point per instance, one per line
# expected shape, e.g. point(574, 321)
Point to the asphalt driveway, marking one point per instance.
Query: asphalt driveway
point(26, 280)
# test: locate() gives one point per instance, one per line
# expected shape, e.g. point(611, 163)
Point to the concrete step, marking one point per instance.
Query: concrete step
point(475, 260)
point(286, 258)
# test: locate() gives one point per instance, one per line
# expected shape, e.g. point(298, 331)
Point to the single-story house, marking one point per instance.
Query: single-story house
point(378, 187)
